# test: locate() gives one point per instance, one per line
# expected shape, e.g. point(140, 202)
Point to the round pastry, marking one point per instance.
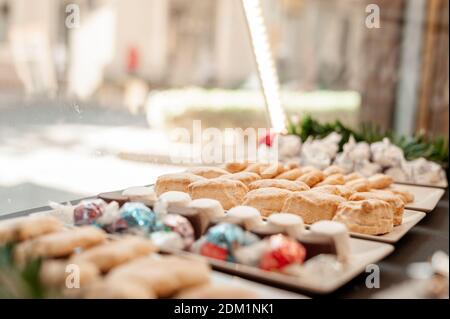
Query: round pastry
point(272, 170)
point(248, 216)
point(333, 169)
point(370, 216)
point(395, 202)
point(207, 172)
point(236, 167)
point(291, 174)
point(244, 177)
point(282, 252)
point(228, 192)
point(291, 224)
point(267, 200)
point(175, 182)
point(144, 195)
point(312, 178)
point(358, 185)
point(293, 186)
point(222, 240)
point(88, 211)
point(334, 179)
point(312, 206)
point(339, 234)
point(380, 181)
point(339, 190)
point(352, 176)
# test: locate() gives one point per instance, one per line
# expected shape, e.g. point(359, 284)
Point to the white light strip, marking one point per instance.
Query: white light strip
point(264, 60)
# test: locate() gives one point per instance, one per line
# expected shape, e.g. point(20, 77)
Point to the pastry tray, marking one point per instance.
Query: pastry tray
point(425, 198)
point(363, 253)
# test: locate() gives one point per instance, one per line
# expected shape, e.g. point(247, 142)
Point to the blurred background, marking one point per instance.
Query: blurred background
point(89, 89)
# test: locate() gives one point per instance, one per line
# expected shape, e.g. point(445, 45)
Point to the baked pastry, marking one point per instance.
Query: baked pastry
point(307, 169)
point(272, 170)
point(24, 228)
point(293, 186)
point(235, 167)
point(267, 200)
point(333, 169)
point(406, 196)
point(312, 206)
point(380, 181)
point(396, 203)
point(59, 244)
point(339, 190)
point(175, 182)
point(358, 185)
point(228, 192)
point(352, 176)
point(256, 167)
point(207, 172)
point(291, 174)
point(112, 254)
point(312, 178)
point(334, 179)
point(244, 177)
point(369, 216)
point(216, 291)
point(292, 164)
point(53, 273)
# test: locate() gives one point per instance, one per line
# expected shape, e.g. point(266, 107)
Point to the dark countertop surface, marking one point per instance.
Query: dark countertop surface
point(430, 235)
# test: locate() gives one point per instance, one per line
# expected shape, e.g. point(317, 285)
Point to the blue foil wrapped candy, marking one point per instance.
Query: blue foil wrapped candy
point(135, 216)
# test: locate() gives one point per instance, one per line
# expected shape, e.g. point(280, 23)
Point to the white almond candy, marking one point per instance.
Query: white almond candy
point(175, 200)
point(292, 224)
point(249, 216)
point(145, 195)
point(208, 207)
point(338, 232)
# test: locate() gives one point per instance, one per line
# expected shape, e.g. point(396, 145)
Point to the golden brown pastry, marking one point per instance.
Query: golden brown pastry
point(396, 203)
point(235, 167)
point(370, 216)
point(312, 178)
point(339, 190)
point(353, 176)
point(175, 182)
point(312, 206)
point(272, 170)
point(333, 169)
point(334, 179)
point(24, 228)
point(406, 196)
point(292, 164)
point(267, 200)
point(293, 186)
point(228, 192)
point(358, 185)
point(256, 167)
point(291, 174)
point(244, 177)
point(54, 272)
point(307, 169)
point(207, 172)
point(380, 181)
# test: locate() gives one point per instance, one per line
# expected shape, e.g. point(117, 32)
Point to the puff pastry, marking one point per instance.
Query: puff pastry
point(228, 192)
point(406, 196)
point(370, 216)
point(272, 170)
point(267, 200)
point(312, 206)
point(352, 176)
point(244, 177)
point(256, 167)
point(292, 164)
point(312, 178)
point(333, 169)
point(293, 186)
point(395, 202)
point(207, 172)
point(380, 181)
point(339, 190)
point(334, 179)
point(291, 175)
point(175, 182)
point(359, 185)
point(235, 167)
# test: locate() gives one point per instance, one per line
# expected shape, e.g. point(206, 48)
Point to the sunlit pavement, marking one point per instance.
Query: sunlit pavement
point(67, 154)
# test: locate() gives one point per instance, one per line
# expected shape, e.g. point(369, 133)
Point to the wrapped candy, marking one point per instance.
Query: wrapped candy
point(222, 240)
point(134, 217)
point(180, 225)
point(281, 252)
point(88, 211)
